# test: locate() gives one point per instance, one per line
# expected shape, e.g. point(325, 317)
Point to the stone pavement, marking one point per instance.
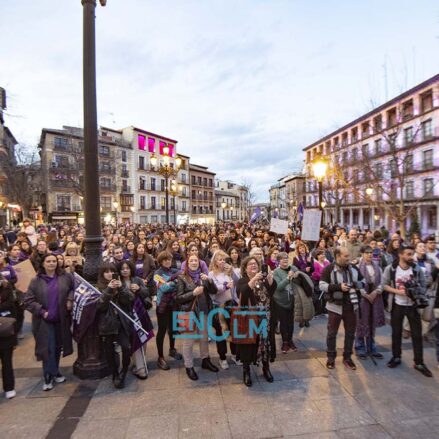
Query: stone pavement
point(305, 400)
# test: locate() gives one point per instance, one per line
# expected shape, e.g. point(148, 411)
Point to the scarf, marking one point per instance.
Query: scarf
point(195, 275)
point(365, 272)
point(52, 297)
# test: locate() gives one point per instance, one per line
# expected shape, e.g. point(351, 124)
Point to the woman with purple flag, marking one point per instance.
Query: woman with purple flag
point(142, 303)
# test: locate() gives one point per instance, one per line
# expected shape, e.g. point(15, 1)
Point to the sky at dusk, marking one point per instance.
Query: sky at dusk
point(242, 85)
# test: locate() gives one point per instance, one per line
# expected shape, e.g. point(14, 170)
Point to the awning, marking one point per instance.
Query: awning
point(68, 217)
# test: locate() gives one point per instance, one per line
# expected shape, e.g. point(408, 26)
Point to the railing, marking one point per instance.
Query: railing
point(124, 174)
point(126, 190)
point(106, 170)
point(62, 184)
point(64, 166)
point(107, 187)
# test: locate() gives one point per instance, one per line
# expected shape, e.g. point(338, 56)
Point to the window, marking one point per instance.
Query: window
point(410, 189)
point(141, 142)
point(378, 123)
point(151, 144)
point(365, 130)
point(432, 217)
point(162, 185)
point(183, 206)
point(391, 117)
point(344, 139)
point(142, 202)
point(141, 162)
point(184, 191)
point(428, 187)
point(153, 206)
point(365, 150)
point(106, 203)
point(154, 218)
point(162, 203)
point(63, 202)
point(194, 179)
point(379, 170)
point(143, 219)
point(210, 182)
point(392, 140)
point(142, 183)
point(183, 178)
point(427, 101)
point(393, 166)
point(354, 135)
point(205, 195)
point(356, 176)
point(354, 155)
point(408, 163)
point(408, 136)
point(345, 157)
point(378, 146)
point(427, 159)
point(199, 181)
point(193, 195)
point(407, 109)
point(172, 202)
point(153, 184)
point(60, 161)
point(61, 143)
point(104, 150)
point(427, 130)
point(105, 182)
point(124, 156)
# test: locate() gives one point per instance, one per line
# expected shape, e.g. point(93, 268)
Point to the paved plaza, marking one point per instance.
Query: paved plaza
point(305, 400)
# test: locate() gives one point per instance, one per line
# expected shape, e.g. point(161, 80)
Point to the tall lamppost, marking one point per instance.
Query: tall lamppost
point(166, 170)
point(319, 168)
point(116, 207)
point(175, 190)
point(91, 359)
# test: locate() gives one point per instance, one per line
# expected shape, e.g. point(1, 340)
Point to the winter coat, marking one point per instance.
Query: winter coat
point(303, 288)
point(7, 308)
point(185, 294)
point(36, 302)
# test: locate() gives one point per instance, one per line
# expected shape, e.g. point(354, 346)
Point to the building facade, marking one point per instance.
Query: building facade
point(62, 164)
point(383, 166)
point(7, 156)
point(231, 201)
point(294, 193)
point(202, 195)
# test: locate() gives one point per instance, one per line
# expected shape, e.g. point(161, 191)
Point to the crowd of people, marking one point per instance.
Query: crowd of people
point(348, 276)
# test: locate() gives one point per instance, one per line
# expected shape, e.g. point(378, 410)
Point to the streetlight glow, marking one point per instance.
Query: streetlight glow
point(153, 160)
point(369, 191)
point(178, 162)
point(319, 168)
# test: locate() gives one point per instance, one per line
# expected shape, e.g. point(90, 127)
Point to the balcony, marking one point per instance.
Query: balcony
point(65, 167)
point(125, 174)
point(106, 170)
point(125, 190)
point(62, 147)
point(62, 184)
point(107, 187)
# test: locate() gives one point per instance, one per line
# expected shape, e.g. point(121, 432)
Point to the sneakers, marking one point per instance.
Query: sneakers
point(285, 347)
point(330, 364)
point(60, 378)
point(48, 383)
point(223, 364)
point(349, 364)
point(362, 356)
point(423, 369)
point(236, 361)
point(292, 346)
point(11, 394)
point(175, 355)
point(161, 363)
point(394, 362)
point(378, 355)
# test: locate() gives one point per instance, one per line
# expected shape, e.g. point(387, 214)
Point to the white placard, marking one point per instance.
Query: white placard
point(278, 226)
point(311, 225)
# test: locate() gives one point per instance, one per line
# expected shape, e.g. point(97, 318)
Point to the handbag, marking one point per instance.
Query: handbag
point(185, 321)
point(109, 323)
point(7, 327)
point(240, 325)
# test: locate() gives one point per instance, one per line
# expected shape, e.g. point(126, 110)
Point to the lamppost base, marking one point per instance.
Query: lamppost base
point(91, 363)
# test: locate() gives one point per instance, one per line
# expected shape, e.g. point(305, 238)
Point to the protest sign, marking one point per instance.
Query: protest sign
point(311, 225)
point(25, 273)
point(278, 226)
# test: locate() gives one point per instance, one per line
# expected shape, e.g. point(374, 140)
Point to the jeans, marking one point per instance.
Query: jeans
point(7, 369)
point(437, 339)
point(286, 319)
point(349, 319)
point(113, 357)
point(361, 345)
point(188, 347)
point(396, 321)
point(164, 322)
point(221, 346)
point(51, 364)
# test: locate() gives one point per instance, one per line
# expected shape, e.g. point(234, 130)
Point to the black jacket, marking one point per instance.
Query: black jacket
point(185, 293)
point(7, 306)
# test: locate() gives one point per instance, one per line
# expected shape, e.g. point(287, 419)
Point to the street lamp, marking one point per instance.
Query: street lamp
point(167, 171)
point(116, 206)
point(319, 168)
point(175, 189)
point(91, 359)
point(369, 191)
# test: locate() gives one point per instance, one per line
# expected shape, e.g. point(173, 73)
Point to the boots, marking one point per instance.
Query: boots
point(207, 364)
point(246, 375)
point(190, 371)
point(266, 371)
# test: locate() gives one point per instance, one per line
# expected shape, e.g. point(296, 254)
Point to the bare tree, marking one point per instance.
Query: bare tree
point(380, 174)
point(23, 182)
point(251, 195)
